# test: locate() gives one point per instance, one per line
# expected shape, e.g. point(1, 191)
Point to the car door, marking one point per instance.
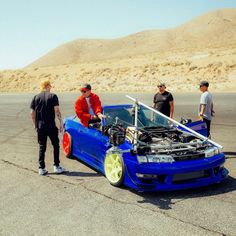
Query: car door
point(93, 145)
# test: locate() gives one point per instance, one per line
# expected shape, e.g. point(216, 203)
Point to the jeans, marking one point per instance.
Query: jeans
point(52, 133)
point(208, 123)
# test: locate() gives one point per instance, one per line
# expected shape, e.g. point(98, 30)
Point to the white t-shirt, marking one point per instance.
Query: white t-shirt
point(206, 99)
point(91, 112)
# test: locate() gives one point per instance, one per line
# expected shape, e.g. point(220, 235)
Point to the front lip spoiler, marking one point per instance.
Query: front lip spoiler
point(153, 187)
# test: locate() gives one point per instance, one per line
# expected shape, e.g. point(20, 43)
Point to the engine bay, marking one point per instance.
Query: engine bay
point(170, 141)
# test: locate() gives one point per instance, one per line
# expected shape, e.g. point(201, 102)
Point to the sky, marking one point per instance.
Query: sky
point(31, 28)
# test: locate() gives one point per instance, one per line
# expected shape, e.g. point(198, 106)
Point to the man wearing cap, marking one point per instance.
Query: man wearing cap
point(206, 111)
point(88, 106)
point(164, 101)
point(44, 107)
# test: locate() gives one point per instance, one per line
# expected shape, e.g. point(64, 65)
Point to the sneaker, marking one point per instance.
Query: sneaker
point(42, 171)
point(59, 169)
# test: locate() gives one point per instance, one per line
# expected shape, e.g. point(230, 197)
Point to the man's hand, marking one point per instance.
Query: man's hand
point(101, 116)
point(201, 116)
point(94, 117)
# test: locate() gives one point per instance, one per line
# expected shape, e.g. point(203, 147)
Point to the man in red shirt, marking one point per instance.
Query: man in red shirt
point(88, 106)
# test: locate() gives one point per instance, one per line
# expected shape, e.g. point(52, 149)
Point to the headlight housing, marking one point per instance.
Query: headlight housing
point(155, 159)
point(210, 152)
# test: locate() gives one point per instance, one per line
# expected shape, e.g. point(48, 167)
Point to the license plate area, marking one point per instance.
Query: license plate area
point(190, 176)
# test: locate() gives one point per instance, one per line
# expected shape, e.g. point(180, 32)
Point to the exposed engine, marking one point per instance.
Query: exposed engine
point(116, 133)
point(161, 140)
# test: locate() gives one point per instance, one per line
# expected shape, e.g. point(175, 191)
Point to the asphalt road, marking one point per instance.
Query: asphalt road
point(82, 202)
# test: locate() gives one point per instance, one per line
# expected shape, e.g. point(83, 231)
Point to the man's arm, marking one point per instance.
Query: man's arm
point(32, 112)
point(171, 109)
point(203, 102)
point(171, 102)
point(58, 115)
point(154, 101)
point(212, 109)
point(98, 108)
point(202, 111)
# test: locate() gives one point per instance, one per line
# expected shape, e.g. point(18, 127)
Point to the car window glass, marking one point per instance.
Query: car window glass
point(146, 117)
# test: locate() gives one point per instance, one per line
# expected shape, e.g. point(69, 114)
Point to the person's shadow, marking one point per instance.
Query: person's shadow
point(165, 200)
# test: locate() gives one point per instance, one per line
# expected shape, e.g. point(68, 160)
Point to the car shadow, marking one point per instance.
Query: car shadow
point(230, 155)
point(77, 174)
point(165, 200)
point(81, 174)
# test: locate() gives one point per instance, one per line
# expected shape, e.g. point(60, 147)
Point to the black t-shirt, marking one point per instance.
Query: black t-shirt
point(162, 102)
point(43, 104)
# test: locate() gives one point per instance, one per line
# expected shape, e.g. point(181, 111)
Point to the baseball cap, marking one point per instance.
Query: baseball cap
point(204, 83)
point(86, 87)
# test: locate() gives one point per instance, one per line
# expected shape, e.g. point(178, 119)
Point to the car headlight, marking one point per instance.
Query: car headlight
point(212, 151)
point(156, 159)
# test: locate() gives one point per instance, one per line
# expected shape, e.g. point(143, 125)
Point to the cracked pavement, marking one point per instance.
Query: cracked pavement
point(82, 202)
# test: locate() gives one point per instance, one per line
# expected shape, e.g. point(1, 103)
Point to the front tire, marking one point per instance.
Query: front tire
point(114, 169)
point(67, 145)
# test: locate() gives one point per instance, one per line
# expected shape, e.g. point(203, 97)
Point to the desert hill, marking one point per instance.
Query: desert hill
point(204, 48)
point(214, 29)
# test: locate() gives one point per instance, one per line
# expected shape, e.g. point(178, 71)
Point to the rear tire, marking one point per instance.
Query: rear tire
point(67, 145)
point(114, 169)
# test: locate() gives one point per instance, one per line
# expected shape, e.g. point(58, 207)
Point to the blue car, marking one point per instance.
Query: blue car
point(143, 149)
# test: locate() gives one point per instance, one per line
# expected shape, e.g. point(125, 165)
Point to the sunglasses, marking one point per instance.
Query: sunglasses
point(160, 86)
point(83, 91)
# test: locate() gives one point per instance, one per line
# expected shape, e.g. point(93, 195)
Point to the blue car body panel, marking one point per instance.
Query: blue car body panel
point(198, 126)
point(90, 146)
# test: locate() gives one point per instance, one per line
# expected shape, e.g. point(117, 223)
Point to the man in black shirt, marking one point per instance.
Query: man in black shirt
point(164, 101)
point(44, 106)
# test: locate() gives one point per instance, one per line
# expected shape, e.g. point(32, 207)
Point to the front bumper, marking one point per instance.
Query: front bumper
point(176, 175)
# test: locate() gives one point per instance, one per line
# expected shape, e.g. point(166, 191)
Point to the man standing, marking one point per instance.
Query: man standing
point(206, 106)
point(88, 106)
point(44, 106)
point(164, 101)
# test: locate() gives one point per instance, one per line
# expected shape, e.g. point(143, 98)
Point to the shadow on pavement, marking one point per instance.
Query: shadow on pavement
point(81, 174)
point(165, 200)
point(77, 174)
point(230, 155)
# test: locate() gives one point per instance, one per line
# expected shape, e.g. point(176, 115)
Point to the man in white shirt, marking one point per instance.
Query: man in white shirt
point(206, 106)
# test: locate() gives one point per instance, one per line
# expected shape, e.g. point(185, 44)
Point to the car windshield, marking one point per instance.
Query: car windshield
point(125, 116)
